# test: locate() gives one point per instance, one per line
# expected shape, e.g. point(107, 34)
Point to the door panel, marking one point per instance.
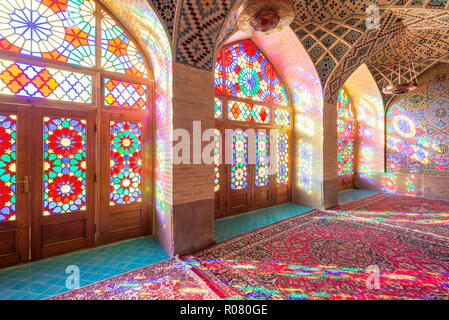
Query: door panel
point(239, 175)
point(283, 188)
point(263, 182)
point(14, 192)
point(63, 184)
point(125, 188)
point(220, 176)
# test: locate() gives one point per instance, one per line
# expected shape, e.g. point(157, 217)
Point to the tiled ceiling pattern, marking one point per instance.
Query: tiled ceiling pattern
point(335, 35)
point(332, 31)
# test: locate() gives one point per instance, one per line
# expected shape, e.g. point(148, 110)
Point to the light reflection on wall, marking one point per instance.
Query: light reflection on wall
point(370, 139)
point(418, 127)
point(304, 166)
point(308, 108)
point(300, 76)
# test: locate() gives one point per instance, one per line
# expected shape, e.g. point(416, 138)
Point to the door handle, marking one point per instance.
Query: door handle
point(26, 184)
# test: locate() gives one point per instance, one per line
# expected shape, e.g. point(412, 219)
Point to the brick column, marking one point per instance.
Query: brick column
point(193, 184)
point(330, 156)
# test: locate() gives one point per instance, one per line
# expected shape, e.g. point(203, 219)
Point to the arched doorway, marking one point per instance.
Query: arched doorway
point(347, 133)
point(75, 109)
point(251, 95)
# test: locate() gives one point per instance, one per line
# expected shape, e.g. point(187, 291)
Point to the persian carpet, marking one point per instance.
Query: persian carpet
point(319, 256)
point(316, 255)
point(168, 280)
point(411, 213)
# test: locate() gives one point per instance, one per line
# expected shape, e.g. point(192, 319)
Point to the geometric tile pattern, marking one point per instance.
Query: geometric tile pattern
point(199, 24)
point(166, 10)
point(333, 32)
point(418, 127)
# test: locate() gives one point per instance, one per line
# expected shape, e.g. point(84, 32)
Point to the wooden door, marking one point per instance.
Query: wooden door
point(125, 176)
point(63, 166)
point(15, 193)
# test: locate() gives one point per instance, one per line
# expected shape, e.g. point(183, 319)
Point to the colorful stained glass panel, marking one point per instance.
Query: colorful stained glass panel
point(246, 72)
point(345, 157)
point(8, 138)
point(50, 29)
point(239, 170)
point(282, 117)
point(125, 94)
point(346, 127)
point(283, 161)
point(65, 143)
point(126, 163)
point(218, 108)
point(217, 160)
point(278, 91)
point(118, 52)
point(33, 81)
point(262, 159)
point(247, 112)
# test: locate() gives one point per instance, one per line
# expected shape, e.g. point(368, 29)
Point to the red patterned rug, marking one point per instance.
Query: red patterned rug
point(315, 256)
point(411, 213)
point(168, 280)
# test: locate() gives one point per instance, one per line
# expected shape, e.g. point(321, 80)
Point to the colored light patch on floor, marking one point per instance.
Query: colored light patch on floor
point(412, 213)
point(168, 280)
point(312, 257)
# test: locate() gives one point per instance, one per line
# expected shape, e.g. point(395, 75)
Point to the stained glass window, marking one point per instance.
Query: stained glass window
point(241, 111)
point(50, 29)
point(283, 161)
point(282, 117)
point(7, 167)
point(118, 52)
point(345, 157)
point(217, 160)
point(125, 94)
point(243, 71)
point(218, 108)
point(252, 91)
point(239, 170)
point(126, 163)
point(262, 158)
point(33, 81)
point(65, 142)
point(346, 134)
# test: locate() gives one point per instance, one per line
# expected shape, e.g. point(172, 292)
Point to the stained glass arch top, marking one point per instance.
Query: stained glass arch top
point(65, 31)
point(243, 71)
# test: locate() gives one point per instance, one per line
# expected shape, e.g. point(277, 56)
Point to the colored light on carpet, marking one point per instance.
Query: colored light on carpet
point(418, 214)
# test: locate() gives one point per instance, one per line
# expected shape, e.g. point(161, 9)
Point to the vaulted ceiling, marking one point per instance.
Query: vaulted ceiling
point(333, 32)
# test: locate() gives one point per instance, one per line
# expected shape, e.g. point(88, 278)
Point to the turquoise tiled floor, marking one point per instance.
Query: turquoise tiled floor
point(353, 194)
point(45, 278)
point(230, 227)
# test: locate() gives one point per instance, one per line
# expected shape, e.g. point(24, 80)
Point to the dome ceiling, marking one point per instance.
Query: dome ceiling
point(333, 32)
